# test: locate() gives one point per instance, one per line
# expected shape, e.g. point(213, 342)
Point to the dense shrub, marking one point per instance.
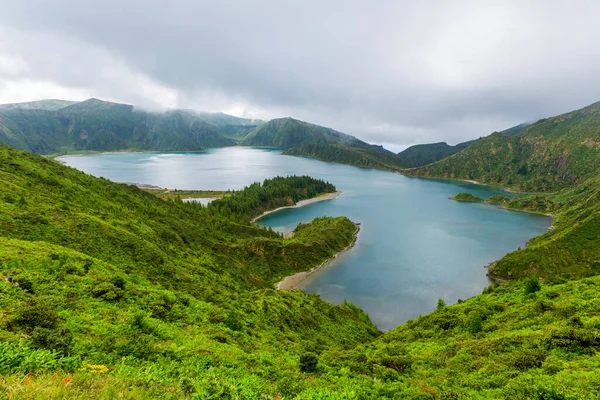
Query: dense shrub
point(38, 312)
point(308, 362)
point(532, 285)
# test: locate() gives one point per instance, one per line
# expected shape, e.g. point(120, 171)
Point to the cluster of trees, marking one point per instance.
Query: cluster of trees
point(360, 156)
point(273, 193)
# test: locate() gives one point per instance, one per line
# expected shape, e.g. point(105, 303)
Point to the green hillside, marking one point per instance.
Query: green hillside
point(552, 154)
point(559, 156)
point(120, 294)
point(58, 127)
point(300, 138)
point(96, 125)
point(424, 154)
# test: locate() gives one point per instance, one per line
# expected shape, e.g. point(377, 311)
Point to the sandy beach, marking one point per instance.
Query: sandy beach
point(292, 281)
point(301, 203)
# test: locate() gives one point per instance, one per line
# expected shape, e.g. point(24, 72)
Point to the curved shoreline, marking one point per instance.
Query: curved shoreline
point(301, 203)
point(292, 281)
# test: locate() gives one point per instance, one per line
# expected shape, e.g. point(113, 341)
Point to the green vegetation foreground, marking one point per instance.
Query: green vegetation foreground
point(120, 294)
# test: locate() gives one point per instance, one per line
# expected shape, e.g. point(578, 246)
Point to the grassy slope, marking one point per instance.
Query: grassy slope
point(504, 343)
point(552, 154)
point(117, 272)
point(131, 296)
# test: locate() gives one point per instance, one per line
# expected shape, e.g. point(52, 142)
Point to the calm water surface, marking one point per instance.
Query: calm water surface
point(414, 247)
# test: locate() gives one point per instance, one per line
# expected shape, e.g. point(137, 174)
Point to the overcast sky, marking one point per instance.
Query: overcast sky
point(390, 72)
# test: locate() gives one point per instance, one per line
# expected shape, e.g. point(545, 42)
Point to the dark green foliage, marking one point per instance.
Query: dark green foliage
point(25, 284)
point(476, 324)
point(467, 197)
point(36, 313)
point(440, 304)
point(52, 339)
point(423, 154)
point(498, 199)
point(528, 358)
point(44, 127)
point(308, 362)
point(107, 291)
point(273, 193)
point(532, 285)
point(300, 138)
point(368, 156)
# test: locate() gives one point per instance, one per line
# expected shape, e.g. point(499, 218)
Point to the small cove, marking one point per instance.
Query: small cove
point(414, 247)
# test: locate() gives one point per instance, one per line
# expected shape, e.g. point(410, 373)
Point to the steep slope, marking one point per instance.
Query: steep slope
point(515, 341)
point(571, 249)
point(118, 294)
point(552, 154)
point(106, 274)
point(300, 138)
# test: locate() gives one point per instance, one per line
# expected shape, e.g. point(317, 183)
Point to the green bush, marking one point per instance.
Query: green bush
point(52, 339)
point(532, 285)
point(107, 291)
point(308, 362)
point(37, 312)
point(25, 284)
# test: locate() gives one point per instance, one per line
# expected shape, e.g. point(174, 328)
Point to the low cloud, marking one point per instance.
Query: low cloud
point(397, 73)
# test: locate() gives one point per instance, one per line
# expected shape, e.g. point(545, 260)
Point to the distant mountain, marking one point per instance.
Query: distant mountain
point(423, 154)
point(52, 126)
point(300, 138)
point(550, 154)
point(48, 105)
point(57, 126)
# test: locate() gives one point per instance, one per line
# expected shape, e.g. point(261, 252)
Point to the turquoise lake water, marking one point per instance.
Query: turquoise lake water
point(415, 244)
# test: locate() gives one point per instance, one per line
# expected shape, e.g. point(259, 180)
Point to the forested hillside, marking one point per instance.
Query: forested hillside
point(559, 156)
point(117, 293)
point(55, 126)
point(120, 294)
point(300, 138)
point(424, 154)
point(552, 154)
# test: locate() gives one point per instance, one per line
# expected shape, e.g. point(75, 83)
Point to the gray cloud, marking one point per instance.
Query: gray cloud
point(390, 72)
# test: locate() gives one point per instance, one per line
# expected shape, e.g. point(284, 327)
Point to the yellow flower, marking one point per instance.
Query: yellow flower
point(123, 358)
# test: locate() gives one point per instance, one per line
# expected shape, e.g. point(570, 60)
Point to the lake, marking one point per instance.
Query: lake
point(415, 245)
